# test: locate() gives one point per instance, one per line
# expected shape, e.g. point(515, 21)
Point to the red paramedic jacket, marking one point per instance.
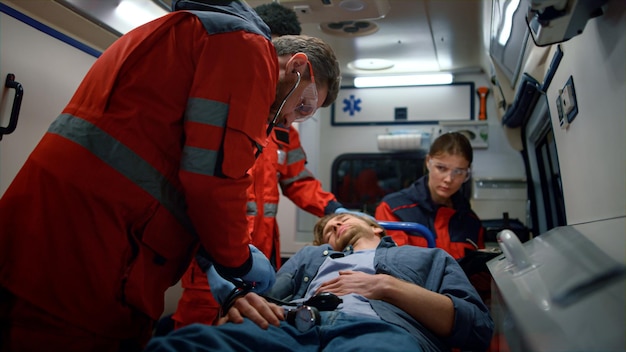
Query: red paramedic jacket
point(150, 154)
point(282, 163)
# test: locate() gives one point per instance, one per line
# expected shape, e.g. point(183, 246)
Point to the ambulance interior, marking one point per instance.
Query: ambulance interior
point(538, 86)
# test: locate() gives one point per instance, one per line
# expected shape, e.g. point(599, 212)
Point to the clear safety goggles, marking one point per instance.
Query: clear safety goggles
point(444, 170)
point(307, 105)
point(308, 100)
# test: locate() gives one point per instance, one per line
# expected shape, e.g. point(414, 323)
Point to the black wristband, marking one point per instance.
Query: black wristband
point(230, 300)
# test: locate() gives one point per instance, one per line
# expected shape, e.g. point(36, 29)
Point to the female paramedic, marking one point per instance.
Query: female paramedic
point(148, 161)
point(435, 200)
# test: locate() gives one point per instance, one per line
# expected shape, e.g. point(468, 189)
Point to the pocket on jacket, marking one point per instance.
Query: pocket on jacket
point(163, 252)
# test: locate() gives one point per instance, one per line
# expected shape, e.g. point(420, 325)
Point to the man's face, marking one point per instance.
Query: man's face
point(344, 230)
point(298, 107)
point(306, 98)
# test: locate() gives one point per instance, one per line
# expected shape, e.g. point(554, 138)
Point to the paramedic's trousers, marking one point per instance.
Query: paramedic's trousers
point(337, 332)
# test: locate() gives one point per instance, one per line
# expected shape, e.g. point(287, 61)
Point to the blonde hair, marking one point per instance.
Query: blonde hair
point(318, 229)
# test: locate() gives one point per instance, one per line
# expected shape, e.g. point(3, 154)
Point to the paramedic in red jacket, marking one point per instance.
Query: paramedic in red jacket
point(284, 167)
point(282, 163)
point(148, 161)
point(435, 200)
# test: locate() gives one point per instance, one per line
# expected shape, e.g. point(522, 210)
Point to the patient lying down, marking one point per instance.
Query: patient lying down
point(393, 298)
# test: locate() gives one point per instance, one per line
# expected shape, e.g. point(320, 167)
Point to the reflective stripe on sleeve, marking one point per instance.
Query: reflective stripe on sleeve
point(198, 160)
point(251, 209)
point(295, 155)
point(304, 174)
point(208, 112)
point(270, 210)
point(123, 160)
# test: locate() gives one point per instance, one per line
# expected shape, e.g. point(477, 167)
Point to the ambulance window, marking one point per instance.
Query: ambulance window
point(360, 180)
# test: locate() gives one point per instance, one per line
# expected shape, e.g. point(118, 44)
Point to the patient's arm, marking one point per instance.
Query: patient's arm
point(434, 310)
point(255, 308)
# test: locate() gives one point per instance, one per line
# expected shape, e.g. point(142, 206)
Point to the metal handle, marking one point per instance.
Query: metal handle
point(411, 228)
point(513, 249)
point(17, 103)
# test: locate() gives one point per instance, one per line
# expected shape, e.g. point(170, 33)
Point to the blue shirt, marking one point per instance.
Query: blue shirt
point(430, 268)
point(353, 304)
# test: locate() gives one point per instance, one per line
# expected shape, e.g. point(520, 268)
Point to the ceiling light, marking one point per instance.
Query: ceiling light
point(406, 80)
point(133, 13)
point(370, 64)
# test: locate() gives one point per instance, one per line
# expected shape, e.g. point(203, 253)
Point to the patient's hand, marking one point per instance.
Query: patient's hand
point(367, 285)
point(255, 308)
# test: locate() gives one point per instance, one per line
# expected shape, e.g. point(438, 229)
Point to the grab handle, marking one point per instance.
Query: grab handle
point(411, 228)
point(17, 103)
point(513, 249)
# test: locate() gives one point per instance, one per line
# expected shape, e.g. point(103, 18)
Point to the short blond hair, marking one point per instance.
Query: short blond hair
point(318, 229)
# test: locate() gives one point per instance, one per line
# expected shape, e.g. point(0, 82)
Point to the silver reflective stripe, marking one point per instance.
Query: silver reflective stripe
point(270, 210)
point(302, 175)
point(209, 112)
point(251, 209)
point(124, 161)
point(205, 111)
point(198, 160)
point(295, 155)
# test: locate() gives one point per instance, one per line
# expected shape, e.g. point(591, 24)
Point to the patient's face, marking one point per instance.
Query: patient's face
point(344, 230)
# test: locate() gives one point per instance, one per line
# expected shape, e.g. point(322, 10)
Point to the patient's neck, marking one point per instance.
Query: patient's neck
point(365, 243)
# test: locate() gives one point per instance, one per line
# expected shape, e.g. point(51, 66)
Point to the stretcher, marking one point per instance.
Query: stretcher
point(411, 228)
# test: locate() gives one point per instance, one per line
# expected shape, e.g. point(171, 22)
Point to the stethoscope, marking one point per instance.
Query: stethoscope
point(272, 123)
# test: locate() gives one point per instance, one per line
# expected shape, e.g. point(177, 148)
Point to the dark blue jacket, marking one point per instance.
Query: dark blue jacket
point(452, 227)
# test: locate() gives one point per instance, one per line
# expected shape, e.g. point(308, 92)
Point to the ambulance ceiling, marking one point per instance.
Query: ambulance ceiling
point(386, 36)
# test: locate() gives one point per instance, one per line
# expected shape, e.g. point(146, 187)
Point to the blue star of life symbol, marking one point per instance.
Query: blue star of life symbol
point(351, 105)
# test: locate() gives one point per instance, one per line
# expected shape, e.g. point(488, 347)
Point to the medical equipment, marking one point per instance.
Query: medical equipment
point(556, 21)
point(272, 123)
point(308, 102)
point(303, 317)
point(324, 301)
point(559, 292)
point(306, 314)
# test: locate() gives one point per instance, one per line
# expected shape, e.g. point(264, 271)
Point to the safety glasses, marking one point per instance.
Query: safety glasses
point(444, 170)
point(308, 101)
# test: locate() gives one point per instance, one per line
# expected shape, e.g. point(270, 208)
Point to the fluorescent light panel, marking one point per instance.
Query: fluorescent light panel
point(133, 13)
point(406, 80)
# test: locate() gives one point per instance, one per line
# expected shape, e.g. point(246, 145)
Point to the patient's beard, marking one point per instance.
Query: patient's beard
point(350, 237)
